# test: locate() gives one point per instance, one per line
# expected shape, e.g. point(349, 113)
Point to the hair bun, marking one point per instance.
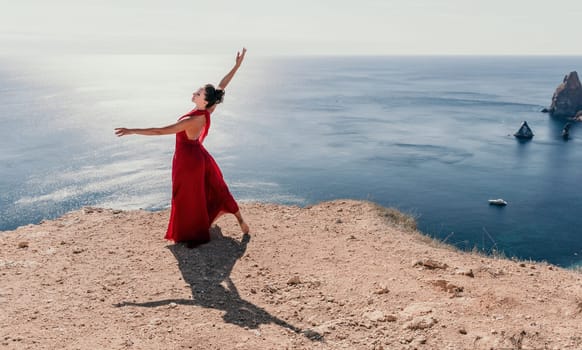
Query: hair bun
point(213, 96)
point(219, 94)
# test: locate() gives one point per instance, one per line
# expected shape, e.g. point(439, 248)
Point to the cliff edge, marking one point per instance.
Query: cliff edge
point(337, 275)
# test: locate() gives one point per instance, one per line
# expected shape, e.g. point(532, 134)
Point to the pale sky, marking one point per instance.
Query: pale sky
point(328, 27)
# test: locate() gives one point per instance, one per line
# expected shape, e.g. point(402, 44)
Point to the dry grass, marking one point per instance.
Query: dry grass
point(397, 218)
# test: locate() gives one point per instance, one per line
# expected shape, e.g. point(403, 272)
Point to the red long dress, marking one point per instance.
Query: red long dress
point(199, 193)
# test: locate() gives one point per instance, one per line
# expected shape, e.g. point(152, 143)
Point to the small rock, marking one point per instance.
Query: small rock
point(468, 273)
point(172, 305)
point(311, 334)
point(463, 331)
point(407, 340)
point(430, 264)
point(448, 287)
point(421, 323)
point(253, 291)
point(294, 281)
point(338, 221)
point(269, 288)
point(78, 250)
point(314, 284)
point(89, 210)
point(117, 211)
point(382, 290)
point(23, 244)
point(390, 318)
point(375, 316)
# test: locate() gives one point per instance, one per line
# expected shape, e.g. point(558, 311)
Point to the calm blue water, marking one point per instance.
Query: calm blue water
point(427, 135)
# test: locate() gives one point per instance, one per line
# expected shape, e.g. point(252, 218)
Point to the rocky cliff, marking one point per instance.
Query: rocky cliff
point(567, 99)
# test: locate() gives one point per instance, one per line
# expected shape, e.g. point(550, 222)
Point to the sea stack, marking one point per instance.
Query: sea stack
point(524, 131)
point(566, 131)
point(567, 99)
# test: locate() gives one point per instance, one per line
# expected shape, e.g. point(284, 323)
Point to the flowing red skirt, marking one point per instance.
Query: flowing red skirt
point(199, 193)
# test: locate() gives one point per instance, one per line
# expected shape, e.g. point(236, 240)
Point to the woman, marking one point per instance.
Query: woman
point(199, 193)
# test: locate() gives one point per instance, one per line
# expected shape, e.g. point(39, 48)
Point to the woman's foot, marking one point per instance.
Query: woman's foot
point(244, 227)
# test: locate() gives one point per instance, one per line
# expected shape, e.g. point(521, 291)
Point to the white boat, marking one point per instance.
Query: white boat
point(500, 202)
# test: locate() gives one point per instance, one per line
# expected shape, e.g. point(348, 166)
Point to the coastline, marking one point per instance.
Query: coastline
point(339, 274)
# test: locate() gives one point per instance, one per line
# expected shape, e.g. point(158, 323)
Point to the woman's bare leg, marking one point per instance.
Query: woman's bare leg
point(243, 225)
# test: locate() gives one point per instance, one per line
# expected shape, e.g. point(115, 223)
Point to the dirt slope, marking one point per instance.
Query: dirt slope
point(338, 275)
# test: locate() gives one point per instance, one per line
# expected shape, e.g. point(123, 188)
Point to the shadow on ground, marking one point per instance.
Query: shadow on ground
point(207, 270)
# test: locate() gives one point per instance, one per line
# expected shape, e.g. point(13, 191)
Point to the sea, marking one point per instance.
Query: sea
point(428, 135)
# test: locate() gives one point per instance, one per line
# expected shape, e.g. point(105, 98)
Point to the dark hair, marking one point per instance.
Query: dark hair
point(214, 96)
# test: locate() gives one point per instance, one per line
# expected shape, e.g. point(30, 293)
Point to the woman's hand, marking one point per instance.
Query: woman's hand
point(228, 77)
point(240, 57)
point(122, 131)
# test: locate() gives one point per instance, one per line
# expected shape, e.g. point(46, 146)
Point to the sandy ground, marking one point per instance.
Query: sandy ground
point(338, 275)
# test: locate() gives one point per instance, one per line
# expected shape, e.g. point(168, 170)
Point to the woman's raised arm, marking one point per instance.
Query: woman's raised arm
point(228, 77)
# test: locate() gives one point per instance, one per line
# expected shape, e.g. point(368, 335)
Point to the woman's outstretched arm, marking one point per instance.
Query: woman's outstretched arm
point(193, 125)
point(228, 77)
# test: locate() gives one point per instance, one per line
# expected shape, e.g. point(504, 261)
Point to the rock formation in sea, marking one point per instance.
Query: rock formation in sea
point(567, 99)
point(566, 130)
point(524, 131)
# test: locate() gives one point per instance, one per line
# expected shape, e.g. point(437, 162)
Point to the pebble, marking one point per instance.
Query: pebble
point(468, 273)
point(23, 245)
point(430, 264)
point(390, 318)
point(313, 335)
point(375, 316)
point(294, 280)
point(382, 290)
point(421, 323)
